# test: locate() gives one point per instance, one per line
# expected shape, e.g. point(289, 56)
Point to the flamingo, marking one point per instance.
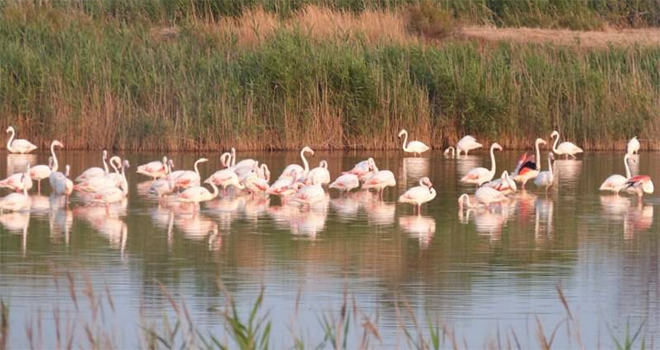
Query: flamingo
point(449, 150)
point(379, 180)
point(16, 182)
point(639, 185)
point(254, 183)
point(19, 145)
point(187, 178)
point(310, 194)
point(41, 172)
point(155, 169)
point(546, 178)
point(528, 167)
point(244, 166)
point(419, 195)
point(484, 196)
point(300, 170)
point(17, 201)
point(112, 194)
point(480, 175)
point(614, 183)
point(263, 172)
point(197, 194)
point(95, 184)
point(225, 178)
point(504, 184)
point(61, 183)
point(163, 186)
point(285, 186)
point(362, 170)
point(564, 148)
point(467, 144)
point(346, 182)
point(633, 146)
point(414, 147)
point(320, 173)
point(95, 171)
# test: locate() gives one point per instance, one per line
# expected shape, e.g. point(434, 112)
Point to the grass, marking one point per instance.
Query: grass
point(347, 327)
point(154, 75)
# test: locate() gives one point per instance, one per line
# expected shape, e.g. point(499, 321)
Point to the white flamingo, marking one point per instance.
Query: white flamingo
point(379, 180)
point(504, 184)
point(311, 194)
point(546, 178)
point(285, 186)
point(565, 148)
point(320, 173)
point(19, 145)
point(95, 171)
point(484, 196)
point(302, 172)
point(16, 182)
point(346, 182)
point(187, 178)
point(614, 183)
point(633, 146)
point(529, 166)
point(163, 186)
point(197, 194)
point(244, 166)
point(41, 172)
point(467, 144)
point(155, 169)
point(450, 151)
point(95, 184)
point(61, 184)
point(17, 201)
point(414, 147)
point(480, 175)
point(419, 195)
point(362, 170)
point(255, 183)
point(224, 178)
point(112, 194)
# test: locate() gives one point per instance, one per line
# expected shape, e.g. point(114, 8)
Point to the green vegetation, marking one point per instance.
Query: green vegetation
point(169, 75)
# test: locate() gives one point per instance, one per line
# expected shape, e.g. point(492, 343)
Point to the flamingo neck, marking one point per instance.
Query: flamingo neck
point(304, 160)
point(25, 182)
point(537, 162)
point(55, 162)
point(215, 190)
point(405, 140)
point(625, 163)
point(105, 163)
point(554, 145)
point(112, 163)
point(550, 165)
point(11, 138)
point(196, 169)
point(492, 160)
point(233, 157)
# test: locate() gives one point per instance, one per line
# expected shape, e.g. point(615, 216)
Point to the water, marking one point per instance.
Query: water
point(481, 273)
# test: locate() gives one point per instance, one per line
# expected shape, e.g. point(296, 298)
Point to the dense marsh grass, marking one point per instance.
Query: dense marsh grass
point(157, 75)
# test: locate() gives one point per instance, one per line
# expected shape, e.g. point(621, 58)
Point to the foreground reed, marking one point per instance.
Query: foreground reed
point(191, 81)
point(249, 327)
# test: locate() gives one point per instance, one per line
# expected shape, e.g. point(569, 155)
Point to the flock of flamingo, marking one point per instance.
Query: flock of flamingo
point(297, 185)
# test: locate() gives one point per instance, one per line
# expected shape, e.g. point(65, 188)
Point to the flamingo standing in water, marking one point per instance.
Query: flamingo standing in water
point(467, 144)
point(300, 171)
point(633, 146)
point(639, 185)
point(480, 175)
point(19, 145)
point(112, 194)
point(379, 180)
point(95, 171)
point(565, 148)
point(285, 186)
point(546, 178)
point(310, 194)
point(224, 178)
point(614, 183)
point(320, 173)
point(504, 184)
point(17, 201)
point(187, 178)
point(16, 182)
point(244, 166)
point(450, 151)
point(484, 196)
point(346, 182)
point(419, 195)
point(62, 185)
point(41, 172)
point(156, 169)
point(198, 194)
point(95, 184)
point(362, 170)
point(414, 147)
point(528, 166)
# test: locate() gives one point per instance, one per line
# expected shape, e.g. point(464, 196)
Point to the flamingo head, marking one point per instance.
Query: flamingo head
point(164, 160)
point(126, 164)
point(58, 143)
point(323, 164)
point(9, 129)
point(540, 141)
point(551, 156)
point(554, 134)
point(425, 181)
point(402, 132)
point(105, 154)
point(170, 163)
point(116, 161)
point(307, 149)
point(496, 146)
point(67, 171)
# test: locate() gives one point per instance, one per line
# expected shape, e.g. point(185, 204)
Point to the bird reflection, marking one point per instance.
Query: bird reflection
point(615, 206)
point(40, 205)
point(346, 207)
point(226, 210)
point(60, 221)
point(465, 164)
point(486, 222)
point(17, 222)
point(17, 163)
point(308, 224)
point(197, 227)
point(107, 222)
point(567, 171)
point(414, 169)
point(143, 189)
point(543, 219)
point(420, 227)
point(256, 207)
point(639, 218)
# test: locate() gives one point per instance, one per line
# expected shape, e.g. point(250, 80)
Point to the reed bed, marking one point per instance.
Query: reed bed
point(348, 326)
point(154, 75)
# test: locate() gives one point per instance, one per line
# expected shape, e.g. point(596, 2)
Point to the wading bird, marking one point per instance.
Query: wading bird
point(565, 148)
point(156, 169)
point(528, 166)
point(467, 144)
point(614, 183)
point(479, 176)
point(414, 147)
point(546, 178)
point(19, 145)
point(95, 171)
point(419, 195)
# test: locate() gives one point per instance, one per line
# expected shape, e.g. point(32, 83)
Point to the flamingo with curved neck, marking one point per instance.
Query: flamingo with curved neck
point(414, 147)
point(565, 148)
point(301, 170)
point(546, 178)
point(451, 150)
point(614, 183)
point(480, 175)
point(19, 145)
point(527, 167)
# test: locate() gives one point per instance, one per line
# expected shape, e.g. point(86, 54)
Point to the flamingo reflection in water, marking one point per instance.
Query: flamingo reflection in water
point(197, 227)
point(413, 169)
point(226, 210)
point(17, 223)
point(346, 207)
point(639, 218)
point(378, 212)
point(420, 227)
point(107, 222)
point(60, 218)
point(543, 219)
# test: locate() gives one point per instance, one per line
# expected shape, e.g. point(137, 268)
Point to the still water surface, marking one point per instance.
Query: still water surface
point(478, 271)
